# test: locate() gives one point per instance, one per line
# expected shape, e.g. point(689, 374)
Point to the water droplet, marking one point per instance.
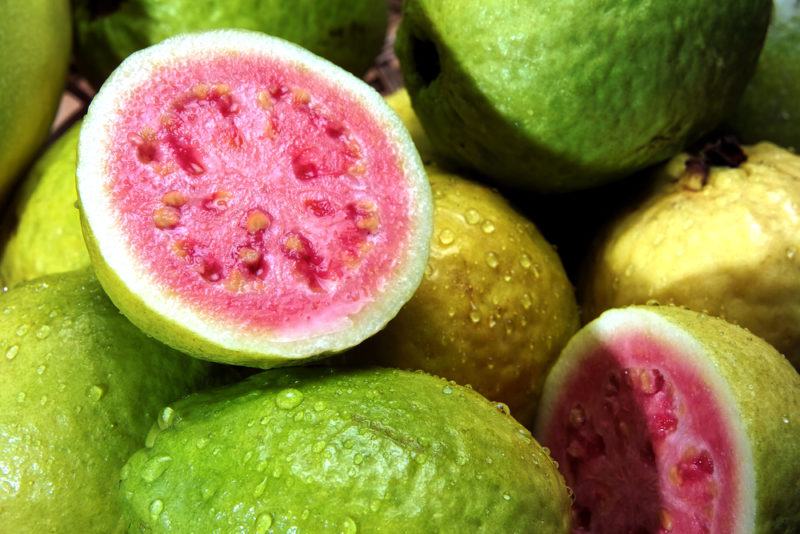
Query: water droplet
point(201, 443)
point(319, 406)
point(155, 467)
point(289, 398)
point(375, 505)
point(474, 316)
point(41, 369)
point(786, 420)
point(447, 390)
point(156, 507)
point(22, 330)
point(21, 396)
point(53, 314)
point(166, 418)
point(349, 526)
point(503, 408)
point(95, 392)
point(358, 458)
point(791, 252)
point(43, 400)
point(526, 301)
point(525, 261)
point(259, 491)
point(487, 227)
point(491, 260)
point(472, 216)
point(42, 332)
point(263, 523)
point(12, 351)
point(446, 237)
point(506, 496)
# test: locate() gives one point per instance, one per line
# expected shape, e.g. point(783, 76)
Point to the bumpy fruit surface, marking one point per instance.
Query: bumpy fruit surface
point(495, 307)
point(348, 32)
point(35, 39)
point(324, 450)
point(46, 231)
point(719, 239)
point(770, 107)
point(246, 201)
point(565, 95)
point(666, 420)
point(79, 388)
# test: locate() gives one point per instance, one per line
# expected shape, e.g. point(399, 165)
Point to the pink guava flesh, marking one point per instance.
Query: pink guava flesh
point(642, 441)
point(258, 191)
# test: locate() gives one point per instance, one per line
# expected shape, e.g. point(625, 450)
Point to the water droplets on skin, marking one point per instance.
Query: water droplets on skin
point(22, 330)
point(474, 316)
point(42, 332)
point(487, 227)
point(259, 491)
point(506, 496)
point(201, 443)
point(349, 526)
point(472, 216)
point(791, 252)
point(289, 398)
point(525, 261)
point(491, 260)
point(447, 390)
point(155, 467)
point(446, 237)
point(166, 418)
point(41, 369)
point(263, 523)
point(11, 352)
point(156, 507)
point(358, 458)
point(95, 392)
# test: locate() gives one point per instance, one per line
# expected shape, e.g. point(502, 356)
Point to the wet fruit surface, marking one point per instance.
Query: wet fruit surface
point(237, 177)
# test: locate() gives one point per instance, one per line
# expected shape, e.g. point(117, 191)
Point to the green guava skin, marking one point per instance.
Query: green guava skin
point(80, 387)
point(35, 43)
point(755, 382)
point(349, 33)
point(770, 107)
point(46, 233)
point(558, 96)
point(327, 450)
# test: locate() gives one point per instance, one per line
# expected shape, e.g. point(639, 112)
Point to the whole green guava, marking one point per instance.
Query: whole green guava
point(565, 95)
point(770, 107)
point(46, 233)
point(79, 388)
point(35, 38)
point(325, 450)
point(347, 32)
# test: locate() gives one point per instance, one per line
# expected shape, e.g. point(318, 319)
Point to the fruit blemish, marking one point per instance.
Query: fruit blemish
point(259, 190)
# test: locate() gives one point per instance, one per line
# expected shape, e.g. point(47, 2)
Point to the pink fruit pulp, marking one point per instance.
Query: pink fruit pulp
point(258, 191)
point(641, 441)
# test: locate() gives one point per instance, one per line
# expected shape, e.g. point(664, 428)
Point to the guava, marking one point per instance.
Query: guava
point(495, 307)
point(231, 183)
point(770, 107)
point(326, 450)
point(46, 228)
point(716, 234)
point(80, 387)
point(349, 33)
point(558, 96)
point(35, 39)
point(666, 420)
point(400, 102)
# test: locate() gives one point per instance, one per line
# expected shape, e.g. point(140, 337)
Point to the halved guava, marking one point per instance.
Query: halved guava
point(666, 420)
point(246, 201)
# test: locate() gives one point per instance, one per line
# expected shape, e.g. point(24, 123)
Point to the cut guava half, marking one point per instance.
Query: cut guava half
point(666, 420)
point(246, 201)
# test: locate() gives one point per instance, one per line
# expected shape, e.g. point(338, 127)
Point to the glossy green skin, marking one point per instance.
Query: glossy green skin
point(35, 39)
point(770, 107)
point(78, 395)
point(46, 233)
point(558, 96)
point(325, 450)
point(349, 33)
